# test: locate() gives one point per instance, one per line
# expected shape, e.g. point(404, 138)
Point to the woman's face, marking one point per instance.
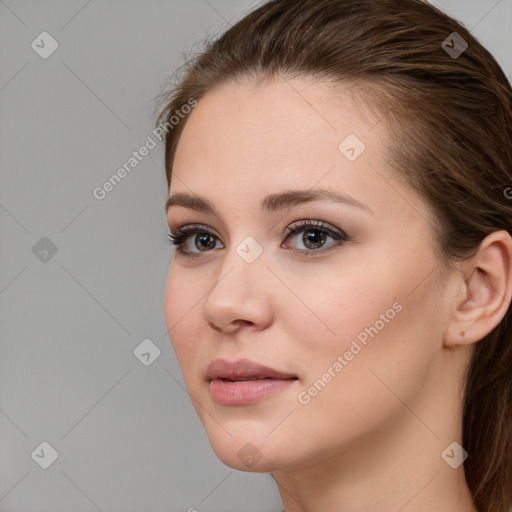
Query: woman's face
point(353, 327)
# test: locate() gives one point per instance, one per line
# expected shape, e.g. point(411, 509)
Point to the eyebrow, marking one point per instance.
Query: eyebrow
point(270, 203)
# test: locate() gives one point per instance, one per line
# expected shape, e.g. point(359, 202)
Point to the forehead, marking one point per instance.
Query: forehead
point(274, 129)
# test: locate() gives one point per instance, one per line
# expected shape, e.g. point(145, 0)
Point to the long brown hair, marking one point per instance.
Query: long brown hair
point(448, 110)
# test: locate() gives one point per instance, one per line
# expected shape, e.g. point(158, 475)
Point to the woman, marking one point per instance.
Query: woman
point(339, 180)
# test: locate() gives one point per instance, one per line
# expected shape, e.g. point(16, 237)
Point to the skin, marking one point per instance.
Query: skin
point(372, 439)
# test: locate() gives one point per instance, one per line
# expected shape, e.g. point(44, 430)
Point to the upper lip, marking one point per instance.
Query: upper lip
point(243, 369)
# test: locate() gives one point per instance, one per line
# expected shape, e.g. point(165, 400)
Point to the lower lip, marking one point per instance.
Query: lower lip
point(246, 391)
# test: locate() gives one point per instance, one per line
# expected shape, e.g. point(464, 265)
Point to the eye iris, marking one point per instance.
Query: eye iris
point(204, 237)
point(317, 238)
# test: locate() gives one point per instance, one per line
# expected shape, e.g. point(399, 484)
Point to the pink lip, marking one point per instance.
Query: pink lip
point(229, 384)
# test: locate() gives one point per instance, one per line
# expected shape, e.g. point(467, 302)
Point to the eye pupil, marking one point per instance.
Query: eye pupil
point(204, 237)
point(317, 240)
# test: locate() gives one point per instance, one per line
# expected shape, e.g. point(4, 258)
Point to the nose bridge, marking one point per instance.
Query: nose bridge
point(244, 261)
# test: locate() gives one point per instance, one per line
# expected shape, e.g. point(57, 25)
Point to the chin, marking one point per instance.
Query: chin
point(245, 453)
point(246, 457)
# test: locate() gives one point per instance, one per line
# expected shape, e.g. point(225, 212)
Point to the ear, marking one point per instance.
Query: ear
point(485, 291)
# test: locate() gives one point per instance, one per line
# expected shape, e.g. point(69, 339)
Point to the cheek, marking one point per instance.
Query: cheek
point(182, 305)
point(365, 306)
point(362, 327)
point(338, 305)
point(384, 346)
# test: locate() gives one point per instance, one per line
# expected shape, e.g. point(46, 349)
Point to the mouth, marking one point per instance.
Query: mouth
point(246, 379)
point(244, 382)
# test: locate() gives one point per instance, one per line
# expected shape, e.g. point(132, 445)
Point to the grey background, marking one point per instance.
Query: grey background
point(126, 434)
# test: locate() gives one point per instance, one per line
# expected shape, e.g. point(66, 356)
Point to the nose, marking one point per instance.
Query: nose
point(240, 294)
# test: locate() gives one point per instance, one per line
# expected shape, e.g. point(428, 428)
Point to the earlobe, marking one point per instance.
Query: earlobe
point(487, 285)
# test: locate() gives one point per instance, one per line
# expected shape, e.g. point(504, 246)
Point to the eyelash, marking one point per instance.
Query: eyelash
point(177, 237)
